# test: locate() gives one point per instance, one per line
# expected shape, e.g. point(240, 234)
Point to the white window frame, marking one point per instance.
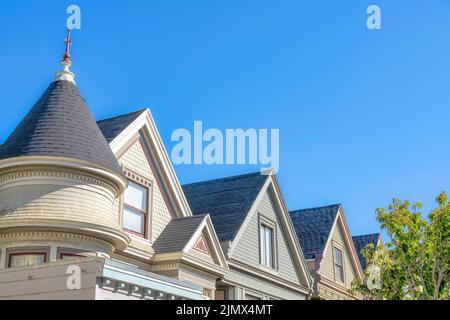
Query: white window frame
point(147, 184)
point(270, 224)
point(337, 246)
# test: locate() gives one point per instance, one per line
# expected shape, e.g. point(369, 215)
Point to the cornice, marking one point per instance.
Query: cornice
point(53, 236)
point(30, 173)
point(117, 179)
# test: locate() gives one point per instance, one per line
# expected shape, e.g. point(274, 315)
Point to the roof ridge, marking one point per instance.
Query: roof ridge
point(223, 179)
point(316, 208)
point(366, 235)
point(197, 216)
point(122, 115)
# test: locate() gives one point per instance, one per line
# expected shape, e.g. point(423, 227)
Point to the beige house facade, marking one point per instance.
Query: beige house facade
point(253, 224)
point(329, 249)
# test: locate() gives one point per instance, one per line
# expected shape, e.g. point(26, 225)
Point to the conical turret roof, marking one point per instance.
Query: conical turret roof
point(60, 125)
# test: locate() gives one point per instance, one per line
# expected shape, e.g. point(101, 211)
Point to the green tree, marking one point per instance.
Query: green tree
point(415, 263)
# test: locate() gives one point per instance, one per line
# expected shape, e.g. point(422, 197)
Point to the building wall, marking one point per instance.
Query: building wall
point(247, 249)
point(48, 281)
point(135, 159)
point(240, 283)
point(54, 194)
point(327, 266)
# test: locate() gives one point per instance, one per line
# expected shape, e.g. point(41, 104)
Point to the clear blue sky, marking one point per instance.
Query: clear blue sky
point(363, 115)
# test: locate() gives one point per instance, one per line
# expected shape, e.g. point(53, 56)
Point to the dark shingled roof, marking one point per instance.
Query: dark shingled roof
point(177, 234)
point(361, 242)
point(227, 200)
point(112, 127)
point(313, 227)
point(60, 124)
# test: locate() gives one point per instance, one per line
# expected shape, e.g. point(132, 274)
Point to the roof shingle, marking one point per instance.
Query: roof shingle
point(227, 200)
point(361, 242)
point(177, 234)
point(112, 127)
point(60, 124)
point(313, 227)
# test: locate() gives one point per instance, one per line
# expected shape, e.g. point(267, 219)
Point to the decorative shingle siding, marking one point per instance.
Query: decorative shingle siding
point(61, 196)
point(135, 159)
point(327, 267)
point(247, 249)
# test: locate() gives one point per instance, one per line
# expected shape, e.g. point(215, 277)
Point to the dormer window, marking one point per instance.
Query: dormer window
point(338, 265)
point(135, 209)
point(267, 246)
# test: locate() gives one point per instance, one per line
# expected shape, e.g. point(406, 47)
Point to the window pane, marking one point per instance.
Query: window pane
point(133, 220)
point(339, 273)
point(262, 243)
point(337, 256)
point(269, 249)
point(338, 265)
point(266, 243)
point(20, 260)
point(136, 196)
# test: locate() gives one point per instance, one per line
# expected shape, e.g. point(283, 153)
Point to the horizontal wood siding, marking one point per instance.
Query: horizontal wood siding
point(247, 250)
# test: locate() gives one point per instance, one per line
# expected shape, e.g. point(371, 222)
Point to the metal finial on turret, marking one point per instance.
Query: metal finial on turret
point(65, 73)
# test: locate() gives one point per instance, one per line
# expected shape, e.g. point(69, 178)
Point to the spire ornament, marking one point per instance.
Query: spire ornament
point(65, 73)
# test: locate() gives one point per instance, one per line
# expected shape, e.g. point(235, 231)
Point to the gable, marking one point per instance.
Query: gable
point(112, 127)
point(247, 248)
point(123, 130)
point(191, 239)
point(226, 200)
point(201, 245)
point(137, 159)
point(201, 250)
point(327, 264)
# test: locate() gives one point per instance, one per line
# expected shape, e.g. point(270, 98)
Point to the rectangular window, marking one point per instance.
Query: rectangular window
point(26, 259)
point(135, 209)
point(338, 265)
point(64, 256)
point(266, 243)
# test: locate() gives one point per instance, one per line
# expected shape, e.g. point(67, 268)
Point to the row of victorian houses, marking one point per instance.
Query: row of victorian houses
point(94, 210)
